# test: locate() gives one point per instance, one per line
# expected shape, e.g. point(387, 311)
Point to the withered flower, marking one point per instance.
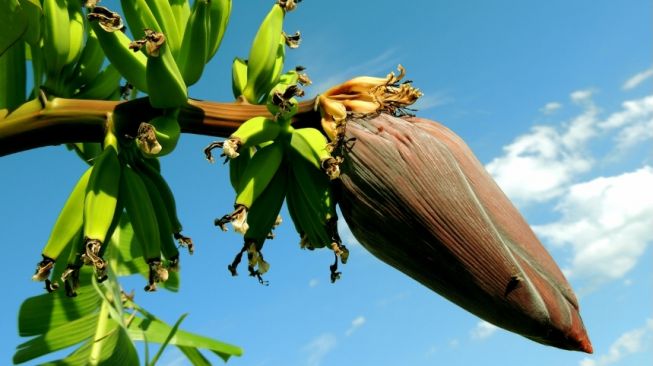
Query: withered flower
point(417, 198)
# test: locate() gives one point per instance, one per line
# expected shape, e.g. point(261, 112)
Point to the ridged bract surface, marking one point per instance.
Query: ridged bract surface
point(417, 198)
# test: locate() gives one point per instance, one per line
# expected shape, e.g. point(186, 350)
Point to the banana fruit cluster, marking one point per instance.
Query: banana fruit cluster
point(270, 162)
point(120, 182)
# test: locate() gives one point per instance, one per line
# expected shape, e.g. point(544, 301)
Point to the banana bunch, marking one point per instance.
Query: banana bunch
point(270, 161)
point(253, 79)
point(117, 184)
point(311, 200)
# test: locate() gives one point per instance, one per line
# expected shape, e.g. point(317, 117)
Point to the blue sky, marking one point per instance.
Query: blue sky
point(554, 97)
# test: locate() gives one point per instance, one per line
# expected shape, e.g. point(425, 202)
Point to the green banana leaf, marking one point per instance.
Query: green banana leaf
point(154, 330)
point(13, 23)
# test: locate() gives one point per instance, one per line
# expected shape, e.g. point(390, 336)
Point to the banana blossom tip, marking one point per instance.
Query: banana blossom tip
point(461, 235)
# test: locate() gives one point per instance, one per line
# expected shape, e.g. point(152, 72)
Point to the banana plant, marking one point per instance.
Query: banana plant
point(313, 155)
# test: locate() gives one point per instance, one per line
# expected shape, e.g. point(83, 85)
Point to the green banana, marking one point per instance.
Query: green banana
point(277, 69)
point(160, 136)
point(252, 132)
point(145, 167)
point(220, 10)
point(101, 203)
point(56, 35)
point(256, 176)
point(168, 247)
point(238, 76)
point(89, 63)
point(263, 55)
point(312, 145)
point(263, 216)
point(75, 30)
point(139, 17)
point(165, 83)
point(86, 151)
point(12, 76)
point(103, 86)
point(144, 222)
point(181, 11)
point(162, 11)
point(258, 173)
point(238, 164)
point(194, 48)
point(66, 229)
point(130, 64)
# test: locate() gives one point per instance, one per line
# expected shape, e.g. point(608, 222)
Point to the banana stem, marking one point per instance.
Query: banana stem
point(79, 120)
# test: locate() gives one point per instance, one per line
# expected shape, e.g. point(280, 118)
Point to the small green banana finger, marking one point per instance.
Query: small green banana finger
point(252, 132)
point(194, 48)
point(144, 222)
point(160, 136)
point(168, 247)
point(139, 17)
point(312, 145)
point(67, 227)
point(238, 77)
point(115, 45)
point(220, 11)
point(257, 175)
point(56, 35)
point(181, 11)
point(75, 30)
point(89, 63)
point(101, 203)
point(237, 166)
point(103, 86)
point(263, 216)
point(86, 151)
point(263, 54)
point(165, 83)
point(145, 167)
point(162, 11)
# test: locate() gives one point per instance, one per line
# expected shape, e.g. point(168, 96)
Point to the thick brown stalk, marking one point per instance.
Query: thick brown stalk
point(78, 120)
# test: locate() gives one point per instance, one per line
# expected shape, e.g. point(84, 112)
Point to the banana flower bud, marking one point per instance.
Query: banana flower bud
point(417, 198)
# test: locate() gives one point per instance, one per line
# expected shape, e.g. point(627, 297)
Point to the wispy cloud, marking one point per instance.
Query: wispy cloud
point(551, 107)
point(606, 222)
point(319, 347)
point(313, 282)
point(355, 324)
point(633, 341)
point(638, 79)
point(536, 167)
point(482, 330)
point(431, 100)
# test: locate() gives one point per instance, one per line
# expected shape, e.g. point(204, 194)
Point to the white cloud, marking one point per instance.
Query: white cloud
point(454, 343)
point(607, 223)
point(483, 330)
point(313, 282)
point(537, 166)
point(319, 347)
point(637, 79)
point(355, 324)
point(550, 107)
point(633, 341)
point(635, 122)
